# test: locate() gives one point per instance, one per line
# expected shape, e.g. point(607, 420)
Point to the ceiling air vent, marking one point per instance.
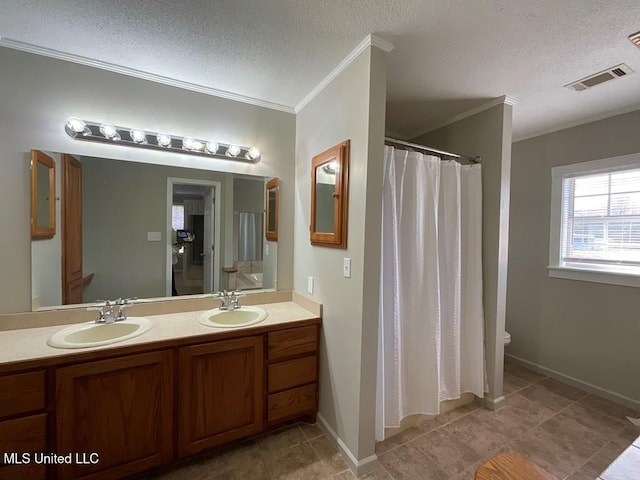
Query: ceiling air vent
point(600, 77)
point(635, 39)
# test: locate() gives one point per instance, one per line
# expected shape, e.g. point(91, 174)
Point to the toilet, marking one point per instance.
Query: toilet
point(507, 339)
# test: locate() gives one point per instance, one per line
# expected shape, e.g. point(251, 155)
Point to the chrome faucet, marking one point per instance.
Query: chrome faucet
point(106, 312)
point(229, 300)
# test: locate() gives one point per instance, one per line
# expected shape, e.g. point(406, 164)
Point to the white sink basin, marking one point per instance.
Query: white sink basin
point(233, 318)
point(95, 334)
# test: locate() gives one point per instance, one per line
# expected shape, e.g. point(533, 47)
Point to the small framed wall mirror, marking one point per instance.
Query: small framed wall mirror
point(330, 196)
point(43, 195)
point(271, 201)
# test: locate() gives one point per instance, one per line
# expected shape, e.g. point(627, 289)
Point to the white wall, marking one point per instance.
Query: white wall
point(39, 93)
point(46, 268)
point(488, 134)
point(589, 332)
point(351, 107)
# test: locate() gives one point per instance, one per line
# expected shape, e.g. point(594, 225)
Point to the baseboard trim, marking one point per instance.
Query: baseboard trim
point(358, 467)
point(576, 382)
point(494, 403)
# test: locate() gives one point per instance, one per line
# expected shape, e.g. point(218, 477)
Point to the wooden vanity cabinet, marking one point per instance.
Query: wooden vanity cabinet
point(292, 374)
point(220, 393)
point(121, 409)
point(23, 423)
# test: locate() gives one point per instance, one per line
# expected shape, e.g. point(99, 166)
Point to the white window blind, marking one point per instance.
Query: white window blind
point(595, 221)
point(600, 220)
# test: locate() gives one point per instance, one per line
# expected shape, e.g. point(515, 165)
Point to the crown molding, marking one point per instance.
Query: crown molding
point(505, 99)
point(132, 72)
point(369, 41)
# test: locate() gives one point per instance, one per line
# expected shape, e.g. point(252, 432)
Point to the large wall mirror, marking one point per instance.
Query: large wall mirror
point(330, 197)
point(131, 213)
point(43, 195)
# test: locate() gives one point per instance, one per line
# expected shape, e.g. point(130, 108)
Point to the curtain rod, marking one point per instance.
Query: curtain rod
point(476, 159)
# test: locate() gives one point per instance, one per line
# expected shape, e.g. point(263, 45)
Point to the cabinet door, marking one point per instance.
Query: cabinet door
point(120, 409)
point(221, 393)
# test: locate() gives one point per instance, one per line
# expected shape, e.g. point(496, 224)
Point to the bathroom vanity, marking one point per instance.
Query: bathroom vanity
point(178, 390)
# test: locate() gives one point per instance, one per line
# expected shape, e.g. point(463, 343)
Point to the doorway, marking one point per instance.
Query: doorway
point(192, 267)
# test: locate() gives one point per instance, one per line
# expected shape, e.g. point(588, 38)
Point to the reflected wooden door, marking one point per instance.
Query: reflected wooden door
point(71, 230)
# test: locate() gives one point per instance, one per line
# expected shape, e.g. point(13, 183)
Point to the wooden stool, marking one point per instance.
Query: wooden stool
point(511, 466)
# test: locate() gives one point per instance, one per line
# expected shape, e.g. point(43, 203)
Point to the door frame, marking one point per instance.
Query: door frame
point(217, 195)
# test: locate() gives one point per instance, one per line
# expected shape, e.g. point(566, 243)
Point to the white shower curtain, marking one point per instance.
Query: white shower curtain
point(431, 336)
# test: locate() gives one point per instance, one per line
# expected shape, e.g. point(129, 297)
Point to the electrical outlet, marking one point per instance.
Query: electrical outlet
point(310, 285)
point(266, 249)
point(346, 267)
point(154, 236)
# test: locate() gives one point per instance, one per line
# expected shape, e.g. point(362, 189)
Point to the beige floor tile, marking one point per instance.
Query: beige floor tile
point(519, 415)
point(238, 456)
point(523, 372)
point(410, 463)
point(511, 384)
point(630, 433)
point(608, 407)
point(544, 397)
point(392, 442)
point(567, 391)
point(448, 449)
point(310, 430)
point(600, 423)
point(379, 474)
point(329, 454)
point(253, 471)
point(295, 463)
point(284, 438)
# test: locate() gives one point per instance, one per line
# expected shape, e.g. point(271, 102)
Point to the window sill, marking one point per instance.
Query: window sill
point(584, 275)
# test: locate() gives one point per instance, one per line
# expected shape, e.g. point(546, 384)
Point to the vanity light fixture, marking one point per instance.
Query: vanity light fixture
point(79, 129)
point(233, 151)
point(138, 136)
point(109, 131)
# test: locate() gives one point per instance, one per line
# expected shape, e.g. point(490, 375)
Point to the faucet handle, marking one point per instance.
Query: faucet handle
point(100, 318)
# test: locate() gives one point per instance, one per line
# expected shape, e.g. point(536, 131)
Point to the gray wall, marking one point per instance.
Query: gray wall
point(488, 134)
point(587, 331)
point(39, 93)
point(122, 201)
point(351, 107)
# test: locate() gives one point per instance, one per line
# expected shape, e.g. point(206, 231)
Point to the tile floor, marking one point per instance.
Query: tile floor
point(571, 434)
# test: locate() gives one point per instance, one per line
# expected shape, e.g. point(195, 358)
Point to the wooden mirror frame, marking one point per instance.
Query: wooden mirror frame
point(40, 231)
point(273, 184)
point(337, 239)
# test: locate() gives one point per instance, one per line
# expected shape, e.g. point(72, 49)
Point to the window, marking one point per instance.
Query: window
point(595, 221)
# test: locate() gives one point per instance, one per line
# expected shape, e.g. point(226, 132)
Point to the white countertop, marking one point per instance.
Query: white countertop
point(31, 343)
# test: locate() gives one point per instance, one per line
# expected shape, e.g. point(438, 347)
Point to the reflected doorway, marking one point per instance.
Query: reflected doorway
point(194, 207)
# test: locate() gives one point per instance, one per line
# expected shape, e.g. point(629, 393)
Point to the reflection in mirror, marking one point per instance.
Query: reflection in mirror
point(43, 192)
point(325, 194)
point(131, 214)
point(273, 198)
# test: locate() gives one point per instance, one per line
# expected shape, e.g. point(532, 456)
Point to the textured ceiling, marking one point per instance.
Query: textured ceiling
point(450, 55)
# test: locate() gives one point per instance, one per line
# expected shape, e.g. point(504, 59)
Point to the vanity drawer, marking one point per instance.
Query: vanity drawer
point(292, 373)
point(292, 342)
point(292, 403)
point(22, 393)
point(23, 435)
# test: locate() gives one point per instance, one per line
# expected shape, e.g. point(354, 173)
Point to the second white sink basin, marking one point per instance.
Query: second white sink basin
point(95, 334)
point(241, 317)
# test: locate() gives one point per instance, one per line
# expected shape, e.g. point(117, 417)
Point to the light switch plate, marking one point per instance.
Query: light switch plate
point(154, 236)
point(346, 267)
point(310, 285)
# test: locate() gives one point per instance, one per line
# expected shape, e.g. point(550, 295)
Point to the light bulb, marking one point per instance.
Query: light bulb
point(109, 131)
point(253, 153)
point(197, 146)
point(212, 147)
point(187, 143)
point(138, 136)
point(76, 125)
point(233, 151)
point(164, 139)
